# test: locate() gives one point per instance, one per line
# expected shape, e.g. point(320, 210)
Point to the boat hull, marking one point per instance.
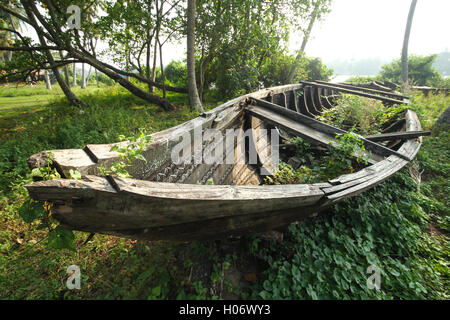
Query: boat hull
point(164, 202)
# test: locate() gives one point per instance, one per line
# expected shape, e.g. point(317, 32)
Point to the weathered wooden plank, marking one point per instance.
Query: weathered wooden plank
point(325, 102)
point(301, 102)
point(309, 104)
point(394, 127)
point(290, 100)
point(65, 160)
point(145, 203)
point(397, 135)
point(262, 145)
point(220, 228)
point(315, 99)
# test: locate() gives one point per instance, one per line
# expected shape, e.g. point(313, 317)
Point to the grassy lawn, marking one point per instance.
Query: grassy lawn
point(396, 226)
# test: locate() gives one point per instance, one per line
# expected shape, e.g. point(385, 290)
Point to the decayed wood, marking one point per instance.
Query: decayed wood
point(243, 173)
point(355, 92)
point(394, 127)
point(220, 228)
point(318, 100)
point(67, 159)
point(397, 135)
point(301, 103)
point(315, 99)
point(309, 103)
point(94, 203)
point(262, 145)
point(291, 101)
point(173, 211)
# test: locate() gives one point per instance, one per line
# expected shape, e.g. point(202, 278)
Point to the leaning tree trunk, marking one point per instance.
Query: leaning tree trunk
point(125, 83)
point(73, 99)
point(304, 41)
point(194, 99)
point(405, 46)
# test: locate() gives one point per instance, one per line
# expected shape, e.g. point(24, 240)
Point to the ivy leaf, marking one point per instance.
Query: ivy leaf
point(36, 172)
point(156, 291)
point(74, 174)
point(61, 238)
point(264, 295)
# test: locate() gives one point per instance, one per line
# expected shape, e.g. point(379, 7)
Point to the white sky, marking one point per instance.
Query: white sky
point(369, 29)
point(375, 28)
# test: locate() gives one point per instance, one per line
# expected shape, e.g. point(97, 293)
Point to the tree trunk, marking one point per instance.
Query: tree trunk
point(305, 40)
point(74, 80)
point(194, 99)
point(73, 99)
point(405, 46)
point(162, 70)
point(83, 79)
point(48, 84)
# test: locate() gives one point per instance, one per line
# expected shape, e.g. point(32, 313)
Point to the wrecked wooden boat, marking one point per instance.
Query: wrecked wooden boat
point(169, 201)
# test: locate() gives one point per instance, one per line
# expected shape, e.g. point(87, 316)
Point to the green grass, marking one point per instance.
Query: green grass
point(395, 226)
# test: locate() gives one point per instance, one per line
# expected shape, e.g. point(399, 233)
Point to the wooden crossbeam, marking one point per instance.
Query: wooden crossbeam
point(397, 135)
point(355, 92)
point(368, 90)
point(281, 115)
